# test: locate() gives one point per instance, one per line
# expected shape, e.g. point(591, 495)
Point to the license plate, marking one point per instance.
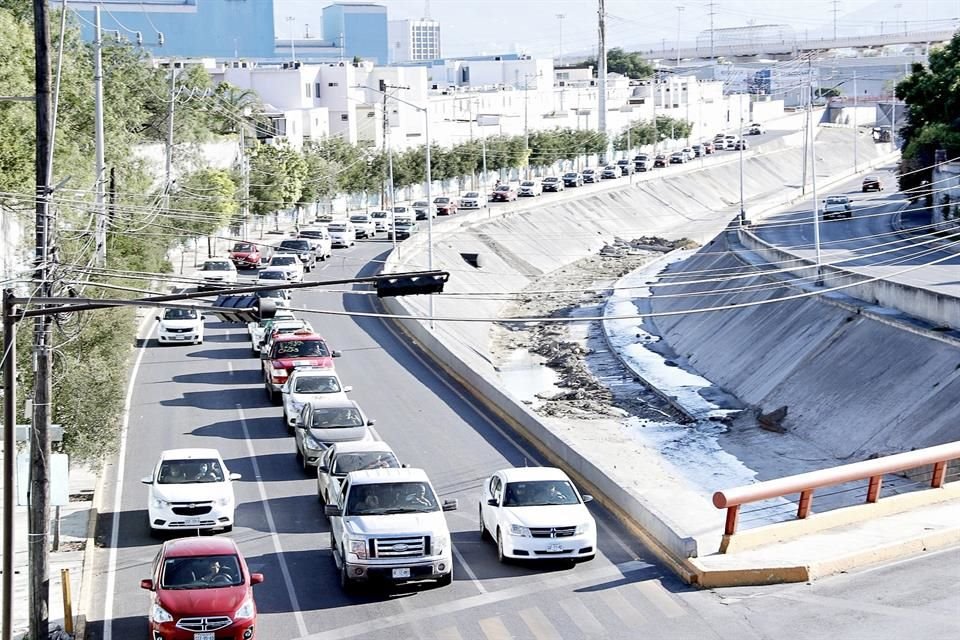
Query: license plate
point(554, 548)
point(180, 337)
point(206, 635)
point(401, 573)
point(193, 521)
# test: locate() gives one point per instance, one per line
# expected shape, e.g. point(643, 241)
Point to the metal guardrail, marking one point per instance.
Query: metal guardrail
point(805, 483)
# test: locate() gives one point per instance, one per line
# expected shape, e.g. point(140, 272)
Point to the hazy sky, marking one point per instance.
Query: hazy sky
point(531, 26)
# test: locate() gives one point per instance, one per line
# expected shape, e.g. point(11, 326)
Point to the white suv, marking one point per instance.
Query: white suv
point(180, 325)
point(290, 264)
point(190, 489)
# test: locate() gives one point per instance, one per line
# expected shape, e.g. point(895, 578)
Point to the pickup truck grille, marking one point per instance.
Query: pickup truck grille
point(552, 532)
point(413, 547)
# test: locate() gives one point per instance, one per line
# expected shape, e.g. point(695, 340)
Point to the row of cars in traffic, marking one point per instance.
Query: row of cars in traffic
point(386, 519)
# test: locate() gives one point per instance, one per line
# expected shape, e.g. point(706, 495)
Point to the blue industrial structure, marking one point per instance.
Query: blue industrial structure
point(359, 29)
point(191, 28)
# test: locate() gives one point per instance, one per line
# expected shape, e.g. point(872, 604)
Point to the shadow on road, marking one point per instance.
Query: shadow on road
point(235, 353)
point(128, 627)
point(274, 467)
point(259, 428)
point(214, 399)
point(291, 514)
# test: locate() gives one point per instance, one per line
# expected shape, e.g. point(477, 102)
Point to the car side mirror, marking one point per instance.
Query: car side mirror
point(235, 476)
point(332, 511)
point(285, 388)
point(158, 317)
point(147, 584)
point(256, 578)
point(347, 389)
point(322, 468)
point(404, 466)
point(264, 355)
point(492, 502)
point(336, 353)
point(147, 480)
point(371, 422)
point(450, 505)
point(587, 498)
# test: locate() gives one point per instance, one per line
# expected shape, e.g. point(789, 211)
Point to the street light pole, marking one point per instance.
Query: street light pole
point(9, 357)
point(743, 213)
point(856, 131)
point(680, 9)
point(560, 17)
point(293, 51)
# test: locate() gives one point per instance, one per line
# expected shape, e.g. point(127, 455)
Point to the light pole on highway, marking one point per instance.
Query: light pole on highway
point(429, 178)
point(743, 213)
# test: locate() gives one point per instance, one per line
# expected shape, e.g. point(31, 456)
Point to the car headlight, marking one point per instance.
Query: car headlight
point(160, 503)
point(359, 548)
point(246, 610)
point(517, 530)
point(440, 544)
point(583, 528)
point(310, 442)
point(159, 614)
point(296, 406)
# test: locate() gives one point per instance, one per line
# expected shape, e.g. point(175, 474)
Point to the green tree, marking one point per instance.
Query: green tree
point(277, 174)
point(210, 197)
point(631, 64)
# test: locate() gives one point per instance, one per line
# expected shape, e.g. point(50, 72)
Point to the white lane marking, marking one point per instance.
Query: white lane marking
point(422, 614)
point(230, 367)
point(448, 633)
point(538, 624)
point(294, 603)
point(118, 495)
point(582, 617)
point(494, 629)
point(623, 609)
point(658, 596)
point(441, 376)
point(466, 567)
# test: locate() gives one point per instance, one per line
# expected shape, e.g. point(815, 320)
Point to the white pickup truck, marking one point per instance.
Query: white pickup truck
point(837, 207)
point(388, 524)
point(345, 457)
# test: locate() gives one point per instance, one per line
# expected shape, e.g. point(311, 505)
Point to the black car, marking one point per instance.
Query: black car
point(660, 161)
point(304, 250)
point(872, 183)
point(572, 179)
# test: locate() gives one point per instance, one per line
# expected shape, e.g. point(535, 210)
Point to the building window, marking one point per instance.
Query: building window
point(333, 84)
point(316, 88)
point(370, 114)
point(307, 89)
point(344, 117)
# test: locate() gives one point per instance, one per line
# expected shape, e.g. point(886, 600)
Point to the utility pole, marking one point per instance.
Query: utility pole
point(836, 11)
point(856, 131)
point(813, 184)
point(743, 212)
point(383, 192)
point(101, 226)
point(244, 177)
point(526, 131)
point(560, 17)
point(168, 164)
point(680, 9)
point(602, 75)
point(713, 12)
point(38, 524)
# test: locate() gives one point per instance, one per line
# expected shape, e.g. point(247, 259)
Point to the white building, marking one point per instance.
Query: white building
point(413, 40)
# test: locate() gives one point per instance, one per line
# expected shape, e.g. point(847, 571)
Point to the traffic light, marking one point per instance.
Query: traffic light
point(411, 285)
point(244, 308)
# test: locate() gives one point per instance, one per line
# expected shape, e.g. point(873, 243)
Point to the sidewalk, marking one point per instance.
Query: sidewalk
point(74, 523)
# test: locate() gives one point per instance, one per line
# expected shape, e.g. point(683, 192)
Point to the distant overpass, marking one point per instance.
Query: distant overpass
point(795, 47)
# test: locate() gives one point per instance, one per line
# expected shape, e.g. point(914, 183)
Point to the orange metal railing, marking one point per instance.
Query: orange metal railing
point(805, 483)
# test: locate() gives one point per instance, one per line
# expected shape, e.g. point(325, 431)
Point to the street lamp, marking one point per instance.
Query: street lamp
point(680, 9)
point(293, 51)
point(426, 134)
point(560, 17)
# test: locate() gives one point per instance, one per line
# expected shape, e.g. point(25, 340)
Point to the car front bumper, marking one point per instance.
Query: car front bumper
point(237, 630)
point(572, 547)
point(419, 569)
point(189, 336)
point(164, 518)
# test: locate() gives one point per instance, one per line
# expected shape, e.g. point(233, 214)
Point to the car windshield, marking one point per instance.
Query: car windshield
point(526, 183)
point(358, 218)
point(569, 175)
point(837, 200)
point(301, 349)
point(276, 293)
point(472, 194)
point(441, 200)
point(399, 209)
point(217, 266)
point(391, 497)
point(243, 246)
point(378, 214)
point(337, 227)
point(588, 170)
point(201, 572)
point(503, 187)
point(180, 314)
point(347, 462)
point(311, 233)
point(297, 245)
point(280, 261)
point(190, 471)
point(317, 384)
point(336, 418)
point(539, 493)
point(420, 203)
point(271, 275)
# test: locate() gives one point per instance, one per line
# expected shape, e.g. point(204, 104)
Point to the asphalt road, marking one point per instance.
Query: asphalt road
point(212, 395)
point(868, 243)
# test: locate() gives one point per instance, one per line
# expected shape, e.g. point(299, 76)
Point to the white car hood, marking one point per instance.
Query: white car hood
point(398, 524)
point(300, 398)
point(192, 492)
point(179, 324)
point(569, 515)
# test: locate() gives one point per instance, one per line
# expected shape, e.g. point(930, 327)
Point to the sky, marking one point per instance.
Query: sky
point(472, 27)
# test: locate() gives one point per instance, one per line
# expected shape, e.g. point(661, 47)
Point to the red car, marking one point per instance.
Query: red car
point(201, 589)
point(246, 255)
point(504, 193)
point(290, 350)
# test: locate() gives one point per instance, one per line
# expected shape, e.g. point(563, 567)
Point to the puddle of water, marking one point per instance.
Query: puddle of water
point(524, 376)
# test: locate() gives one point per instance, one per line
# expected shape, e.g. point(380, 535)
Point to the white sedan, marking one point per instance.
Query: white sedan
point(536, 513)
point(473, 200)
point(289, 263)
point(307, 383)
point(190, 489)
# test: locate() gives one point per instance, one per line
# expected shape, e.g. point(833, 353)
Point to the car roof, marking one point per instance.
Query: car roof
point(520, 474)
point(298, 335)
point(189, 454)
point(362, 445)
point(200, 546)
point(280, 254)
point(320, 372)
point(374, 476)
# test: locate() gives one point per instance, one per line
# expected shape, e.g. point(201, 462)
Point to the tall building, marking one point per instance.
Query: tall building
point(358, 28)
point(190, 28)
point(414, 40)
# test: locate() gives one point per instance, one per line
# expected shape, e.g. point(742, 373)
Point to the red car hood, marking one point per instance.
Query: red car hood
point(213, 601)
point(289, 363)
point(243, 254)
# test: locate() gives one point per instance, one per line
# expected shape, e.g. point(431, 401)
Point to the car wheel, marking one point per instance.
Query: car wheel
point(348, 585)
point(484, 534)
point(303, 463)
point(500, 557)
point(157, 534)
